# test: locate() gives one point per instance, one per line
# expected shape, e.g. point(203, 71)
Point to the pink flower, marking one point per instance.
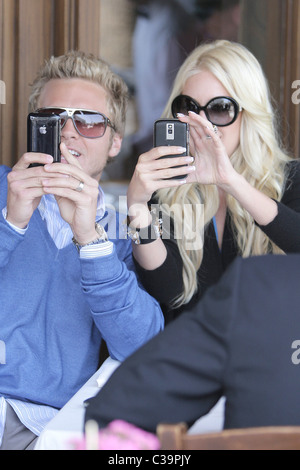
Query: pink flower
point(120, 435)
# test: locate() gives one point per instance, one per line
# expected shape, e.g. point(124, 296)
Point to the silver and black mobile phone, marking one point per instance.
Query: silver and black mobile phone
point(43, 135)
point(172, 132)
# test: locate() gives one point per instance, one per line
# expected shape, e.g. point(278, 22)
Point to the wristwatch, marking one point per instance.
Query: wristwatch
point(102, 238)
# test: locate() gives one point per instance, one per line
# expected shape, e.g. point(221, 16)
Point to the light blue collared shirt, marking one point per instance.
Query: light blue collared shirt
point(33, 416)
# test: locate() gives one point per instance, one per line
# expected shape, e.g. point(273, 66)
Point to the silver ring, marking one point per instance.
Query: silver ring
point(80, 187)
point(208, 137)
point(215, 129)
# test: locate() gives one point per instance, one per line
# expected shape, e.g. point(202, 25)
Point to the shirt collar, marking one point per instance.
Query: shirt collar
point(48, 203)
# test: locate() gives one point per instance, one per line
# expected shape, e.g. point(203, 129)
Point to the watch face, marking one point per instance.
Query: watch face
point(101, 232)
point(102, 238)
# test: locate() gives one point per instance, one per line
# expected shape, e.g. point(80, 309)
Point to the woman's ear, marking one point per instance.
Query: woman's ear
point(115, 146)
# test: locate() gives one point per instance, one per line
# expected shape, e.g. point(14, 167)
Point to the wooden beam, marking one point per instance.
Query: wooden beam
point(292, 76)
point(7, 74)
point(34, 24)
point(88, 26)
point(64, 26)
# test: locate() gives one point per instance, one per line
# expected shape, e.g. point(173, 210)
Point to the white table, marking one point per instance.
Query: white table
point(68, 424)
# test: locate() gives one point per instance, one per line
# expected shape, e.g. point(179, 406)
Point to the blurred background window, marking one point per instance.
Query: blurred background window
point(145, 41)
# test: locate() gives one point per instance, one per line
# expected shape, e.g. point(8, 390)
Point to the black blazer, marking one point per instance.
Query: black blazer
point(240, 342)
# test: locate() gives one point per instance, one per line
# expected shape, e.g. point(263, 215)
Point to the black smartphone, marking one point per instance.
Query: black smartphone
point(172, 132)
point(43, 135)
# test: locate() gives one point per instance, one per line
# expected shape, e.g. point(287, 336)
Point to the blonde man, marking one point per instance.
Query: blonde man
point(66, 275)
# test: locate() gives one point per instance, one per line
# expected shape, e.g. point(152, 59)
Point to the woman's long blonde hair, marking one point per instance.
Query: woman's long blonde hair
point(259, 157)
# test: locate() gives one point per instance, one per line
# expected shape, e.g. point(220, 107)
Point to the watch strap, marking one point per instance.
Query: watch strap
point(102, 238)
point(145, 235)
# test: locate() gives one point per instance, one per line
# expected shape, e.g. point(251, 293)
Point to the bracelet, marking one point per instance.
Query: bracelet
point(143, 236)
point(102, 238)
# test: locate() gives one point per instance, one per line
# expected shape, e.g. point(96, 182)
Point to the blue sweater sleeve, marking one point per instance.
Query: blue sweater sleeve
point(10, 239)
point(124, 312)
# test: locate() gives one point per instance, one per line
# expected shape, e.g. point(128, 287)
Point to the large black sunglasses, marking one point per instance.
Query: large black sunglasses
point(220, 111)
point(89, 124)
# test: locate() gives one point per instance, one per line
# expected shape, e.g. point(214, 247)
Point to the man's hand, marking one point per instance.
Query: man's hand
point(76, 194)
point(25, 188)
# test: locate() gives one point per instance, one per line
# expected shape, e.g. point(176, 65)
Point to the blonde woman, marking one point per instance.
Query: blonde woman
point(241, 195)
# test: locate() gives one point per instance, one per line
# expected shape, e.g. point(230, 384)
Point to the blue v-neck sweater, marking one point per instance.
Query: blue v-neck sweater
point(56, 307)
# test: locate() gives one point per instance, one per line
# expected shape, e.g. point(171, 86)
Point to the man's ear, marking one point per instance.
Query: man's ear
point(115, 146)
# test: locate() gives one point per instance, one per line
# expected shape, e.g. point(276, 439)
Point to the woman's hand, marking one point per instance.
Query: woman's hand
point(213, 166)
point(153, 172)
point(212, 162)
